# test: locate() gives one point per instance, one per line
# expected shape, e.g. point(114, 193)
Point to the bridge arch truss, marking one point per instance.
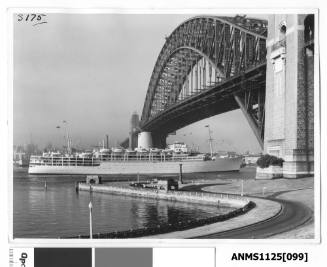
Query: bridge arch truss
point(206, 61)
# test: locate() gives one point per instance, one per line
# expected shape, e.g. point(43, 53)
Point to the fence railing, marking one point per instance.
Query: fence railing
point(151, 192)
point(63, 161)
point(95, 161)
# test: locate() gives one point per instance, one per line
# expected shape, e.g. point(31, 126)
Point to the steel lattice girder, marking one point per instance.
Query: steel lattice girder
point(230, 45)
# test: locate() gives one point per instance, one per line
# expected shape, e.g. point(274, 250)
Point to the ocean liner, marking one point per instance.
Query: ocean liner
point(124, 161)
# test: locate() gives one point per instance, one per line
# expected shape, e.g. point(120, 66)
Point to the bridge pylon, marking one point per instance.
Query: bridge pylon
point(289, 107)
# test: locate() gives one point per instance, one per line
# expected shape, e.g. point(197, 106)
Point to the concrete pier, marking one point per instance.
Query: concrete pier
point(223, 200)
point(239, 205)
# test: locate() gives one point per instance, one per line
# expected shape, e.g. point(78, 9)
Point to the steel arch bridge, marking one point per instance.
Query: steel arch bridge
point(208, 65)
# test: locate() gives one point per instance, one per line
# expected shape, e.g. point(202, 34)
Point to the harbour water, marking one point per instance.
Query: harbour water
point(58, 211)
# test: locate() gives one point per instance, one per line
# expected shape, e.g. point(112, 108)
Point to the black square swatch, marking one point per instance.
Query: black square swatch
point(62, 257)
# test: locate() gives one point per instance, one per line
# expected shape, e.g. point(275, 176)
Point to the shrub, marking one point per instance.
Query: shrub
point(268, 160)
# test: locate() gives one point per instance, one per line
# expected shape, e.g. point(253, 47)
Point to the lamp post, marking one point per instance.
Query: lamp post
point(59, 136)
point(242, 186)
point(90, 209)
point(210, 139)
point(263, 191)
point(67, 137)
point(181, 173)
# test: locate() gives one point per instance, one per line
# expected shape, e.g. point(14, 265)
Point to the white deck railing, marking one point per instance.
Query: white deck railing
point(95, 161)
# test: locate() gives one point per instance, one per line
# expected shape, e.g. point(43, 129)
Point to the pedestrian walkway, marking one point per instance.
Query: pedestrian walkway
point(264, 210)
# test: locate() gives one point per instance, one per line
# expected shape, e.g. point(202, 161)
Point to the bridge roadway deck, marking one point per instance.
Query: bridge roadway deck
point(216, 100)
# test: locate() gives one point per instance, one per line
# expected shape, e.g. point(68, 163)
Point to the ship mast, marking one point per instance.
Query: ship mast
point(210, 140)
point(69, 141)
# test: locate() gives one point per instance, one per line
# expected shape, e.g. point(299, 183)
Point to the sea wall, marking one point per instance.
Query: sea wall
point(241, 205)
point(223, 200)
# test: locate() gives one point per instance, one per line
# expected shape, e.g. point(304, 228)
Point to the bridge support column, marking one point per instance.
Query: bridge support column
point(152, 140)
point(133, 134)
point(145, 140)
point(159, 140)
point(289, 108)
point(250, 120)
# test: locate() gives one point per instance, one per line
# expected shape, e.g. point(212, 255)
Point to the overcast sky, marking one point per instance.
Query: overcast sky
point(93, 70)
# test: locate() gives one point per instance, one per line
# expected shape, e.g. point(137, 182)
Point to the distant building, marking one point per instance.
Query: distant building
point(22, 153)
point(20, 159)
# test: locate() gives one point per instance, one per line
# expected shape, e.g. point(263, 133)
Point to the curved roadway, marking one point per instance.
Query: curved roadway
point(292, 215)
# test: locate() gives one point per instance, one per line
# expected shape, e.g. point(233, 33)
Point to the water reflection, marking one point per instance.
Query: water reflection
point(59, 211)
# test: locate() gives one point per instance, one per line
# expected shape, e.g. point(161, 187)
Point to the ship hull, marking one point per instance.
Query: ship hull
point(143, 167)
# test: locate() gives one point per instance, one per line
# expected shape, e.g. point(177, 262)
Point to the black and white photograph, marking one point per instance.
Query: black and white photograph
point(164, 126)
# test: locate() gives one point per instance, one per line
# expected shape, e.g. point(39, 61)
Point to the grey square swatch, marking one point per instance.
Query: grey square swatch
point(123, 257)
